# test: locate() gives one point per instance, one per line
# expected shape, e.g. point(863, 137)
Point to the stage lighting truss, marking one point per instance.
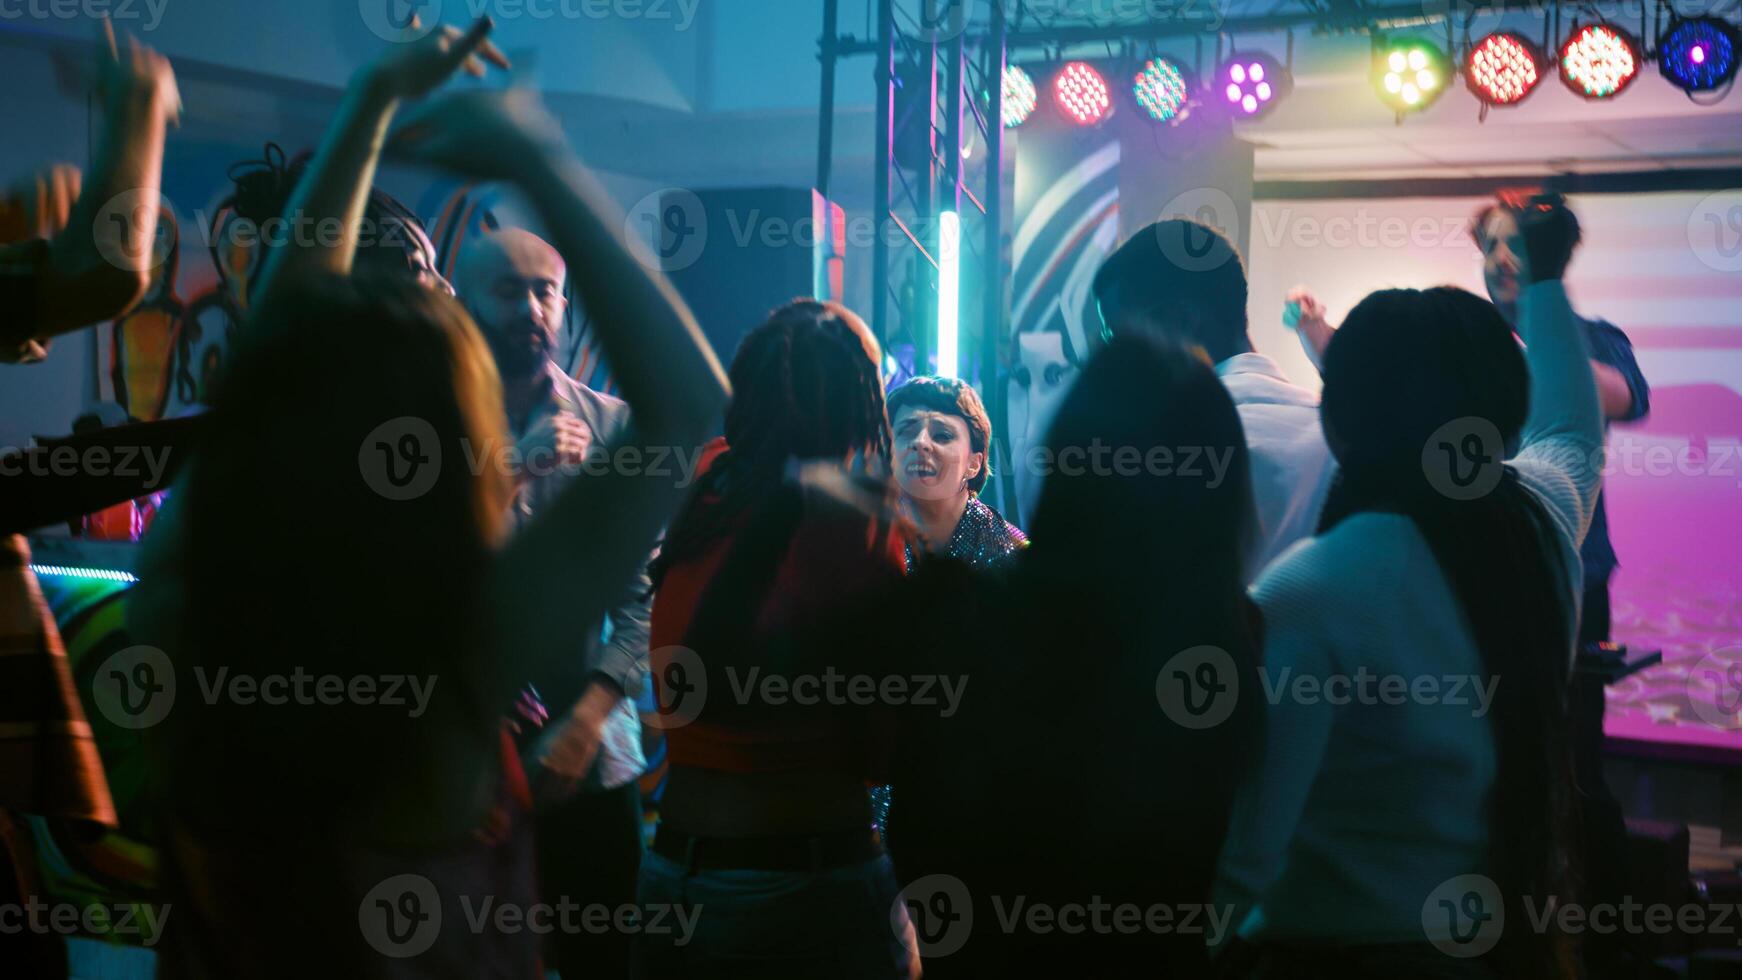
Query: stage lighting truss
point(1698, 54)
point(1251, 84)
point(1599, 61)
point(1020, 96)
point(1161, 90)
point(1409, 74)
point(1082, 94)
point(1503, 68)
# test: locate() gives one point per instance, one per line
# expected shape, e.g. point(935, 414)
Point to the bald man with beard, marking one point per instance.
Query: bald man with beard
point(585, 764)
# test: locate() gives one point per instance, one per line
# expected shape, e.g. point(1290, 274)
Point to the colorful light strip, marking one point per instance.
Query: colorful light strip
point(949, 292)
point(93, 574)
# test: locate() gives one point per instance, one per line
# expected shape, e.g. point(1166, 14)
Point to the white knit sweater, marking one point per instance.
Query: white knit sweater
point(1365, 803)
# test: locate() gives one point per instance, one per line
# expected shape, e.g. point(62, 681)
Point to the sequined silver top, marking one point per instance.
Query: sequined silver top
point(982, 538)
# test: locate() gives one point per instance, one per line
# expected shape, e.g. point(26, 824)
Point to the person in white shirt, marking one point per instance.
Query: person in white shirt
point(1186, 280)
point(1413, 799)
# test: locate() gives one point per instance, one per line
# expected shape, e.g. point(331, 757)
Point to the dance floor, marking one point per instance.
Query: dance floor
point(1691, 699)
point(1678, 531)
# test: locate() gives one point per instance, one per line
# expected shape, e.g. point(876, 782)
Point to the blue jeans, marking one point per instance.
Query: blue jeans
point(840, 924)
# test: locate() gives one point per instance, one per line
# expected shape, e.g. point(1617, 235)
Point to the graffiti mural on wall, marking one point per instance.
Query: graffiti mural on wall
point(160, 359)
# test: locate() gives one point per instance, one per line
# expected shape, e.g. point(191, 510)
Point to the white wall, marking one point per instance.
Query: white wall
point(1667, 269)
point(1649, 264)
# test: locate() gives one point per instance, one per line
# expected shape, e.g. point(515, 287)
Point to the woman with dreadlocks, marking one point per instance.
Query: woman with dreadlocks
point(255, 221)
point(765, 821)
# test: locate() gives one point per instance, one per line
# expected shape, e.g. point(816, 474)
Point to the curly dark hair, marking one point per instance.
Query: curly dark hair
point(805, 386)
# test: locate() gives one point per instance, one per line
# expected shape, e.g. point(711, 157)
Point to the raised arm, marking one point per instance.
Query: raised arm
point(325, 212)
point(1305, 315)
point(573, 564)
point(98, 265)
point(1561, 449)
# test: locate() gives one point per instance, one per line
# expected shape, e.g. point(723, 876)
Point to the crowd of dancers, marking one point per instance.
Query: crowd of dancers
point(891, 716)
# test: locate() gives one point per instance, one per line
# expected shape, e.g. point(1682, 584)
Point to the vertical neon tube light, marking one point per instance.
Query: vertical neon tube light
point(949, 292)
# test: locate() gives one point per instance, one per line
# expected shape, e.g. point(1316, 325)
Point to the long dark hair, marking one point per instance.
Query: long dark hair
point(1144, 393)
point(1134, 563)
point(297, 556)
point(805, 386)
point(1406, 364)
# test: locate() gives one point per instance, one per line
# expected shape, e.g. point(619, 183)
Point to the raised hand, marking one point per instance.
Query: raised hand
point(485, 135)
point(1303, 312)
point(413, 69)
point(40, 206)
point(1547, 234)
point(566, 752)
point(560, 440)
point(136, 78)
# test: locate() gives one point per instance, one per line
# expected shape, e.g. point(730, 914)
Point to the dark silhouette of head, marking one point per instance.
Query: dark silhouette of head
point(1137, 516)
point(1406, 363)
point(1182, 279)
point(1493, 228)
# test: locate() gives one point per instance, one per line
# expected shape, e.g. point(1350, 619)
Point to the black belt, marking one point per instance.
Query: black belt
point(794, 852)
